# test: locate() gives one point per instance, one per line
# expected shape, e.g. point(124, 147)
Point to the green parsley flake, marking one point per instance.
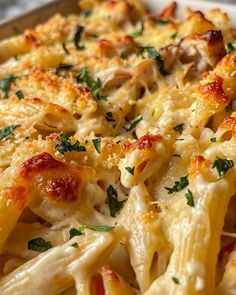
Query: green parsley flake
point(229, 106)
point(94, 86)
point(83, 76)
point(153, 53)
point(133, 123)
point(66, 145)
point(20, 94)
point(7, 132)
point(5, 84)
point(189, 197)
point(65, 49)
point(175, 280)
point(179, 185)
point(130, 170)
point(77, 38)
point(75, 245)
point(75, 232)
point(222, 166)
point(39, 245)
point(112, 200)
point(174, 36)
point(109, 117)
point(213, 139)
point(139, 32)
point(123, 55)
point(179, 128)
point(96, 227)
point(63, 67)
point(97, 144)
point(79, 231)
point(88, 13)
point(229, 47)
point(163, 21)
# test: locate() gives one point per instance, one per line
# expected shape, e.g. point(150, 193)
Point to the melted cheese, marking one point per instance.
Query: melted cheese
point(117, 150)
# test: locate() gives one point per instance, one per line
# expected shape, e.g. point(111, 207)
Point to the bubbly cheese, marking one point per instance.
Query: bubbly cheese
point(117, 153)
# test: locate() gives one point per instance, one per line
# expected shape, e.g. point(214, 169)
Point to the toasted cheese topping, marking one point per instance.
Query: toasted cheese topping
point(117, 153)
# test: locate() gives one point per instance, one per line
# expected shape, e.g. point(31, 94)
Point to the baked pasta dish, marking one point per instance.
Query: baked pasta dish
point(118, 153)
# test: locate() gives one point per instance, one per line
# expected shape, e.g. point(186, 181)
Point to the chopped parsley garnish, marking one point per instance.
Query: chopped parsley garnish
point(20, 94)
point(130, 170)
point(96, 227)
point(163, 21)
point(5, 84)
point(213, 139)
point(94, 86)
point(75, 245)
point(74, 232)
point(109, 117)
point(179, 185)
point(179, 128)
point(83, 76)
point(229, 47)
point(67, 146)
point(139, 32)
point(39, 245)
point(133, 123)
point(153, 53)
point(173, 37)
point(77, 38)
point(189, 197)
point(63, 67)
point(79, 231)
point(175, 280)
point(177, 155)
point(87, 13)
point(123, 55)
point(222, 166)
point(97, 144)
point(112, 200)
point(7, 132)
point(229, 106)
point(65, 49)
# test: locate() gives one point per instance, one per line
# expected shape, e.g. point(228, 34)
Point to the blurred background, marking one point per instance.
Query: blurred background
point(11, 8)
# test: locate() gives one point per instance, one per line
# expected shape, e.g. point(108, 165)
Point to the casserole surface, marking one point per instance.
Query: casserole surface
point(117, 151)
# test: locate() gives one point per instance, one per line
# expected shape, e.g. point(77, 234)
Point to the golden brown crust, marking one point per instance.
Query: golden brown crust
point(145, 142)
point(209, 45)
point(16, 196)
point(38, 164)
point(51, 178)
point(121, 46)
point(169, 11)
point(198, 164)
point(229, 123)
point(214, 92)
point(96, 285)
